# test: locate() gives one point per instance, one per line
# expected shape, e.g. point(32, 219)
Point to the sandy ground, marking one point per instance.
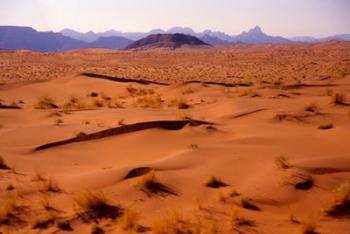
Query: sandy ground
point(150, 150)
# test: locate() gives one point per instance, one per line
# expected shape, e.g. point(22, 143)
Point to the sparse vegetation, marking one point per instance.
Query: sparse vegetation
point(59, 122)
point(74, 104)
point(246, 203)
point(63, 224)
point(340, 205)
point(45, 103)
point(339, 99)
point(311, 107)
point(308, 227)
point(49, 185)
point(326, 126)
point(97, 229)
point(172, 222)
point(154, 101)
point(8, 210)
point(3, 164)
point(93, 205)
point(129, 220)
point(236, 219)
point(43, 221)
point(214, 182)
point(282, 162)
point(179, 103)
point(150, 184)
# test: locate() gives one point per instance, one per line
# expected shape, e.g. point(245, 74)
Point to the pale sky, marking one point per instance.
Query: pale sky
point(276, 17)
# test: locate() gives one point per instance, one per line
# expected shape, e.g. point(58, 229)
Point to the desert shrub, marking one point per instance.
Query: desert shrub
point(74, 104)
point(150, 184)
point(340, 205)
point(49, 185)
point(63, 224)
point(311, 107)
point(326, 126)
point(154, 101)
point(97, 229)
point(46, 103)
point(282, 162)
point(338, 99)
point(236, 219)
point(92, 205)
point(308, 226)
point(58, 122)
point(139, 91)
point(172, 223)
point(214, 182)
point(246, 203)
point(44, 220)
point(8, 208)
point(193, 146)
point(3, 164)
point(129, 220)
point(179, 103)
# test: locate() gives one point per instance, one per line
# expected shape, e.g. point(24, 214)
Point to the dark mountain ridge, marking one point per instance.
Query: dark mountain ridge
point(166, 41)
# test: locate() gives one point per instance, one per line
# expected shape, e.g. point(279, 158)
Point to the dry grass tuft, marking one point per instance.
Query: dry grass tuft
point(311, 107)
point(246, 203)
point(308, 227)
point(74, 104)
point(95, 205)
point(8, 211)
point(45, 103)
point(43, 221)
point(150, 184)
point(63, 224)
point(214, 182)
point(179, 103)
point(3, 164)
point(154, 101)
point(339, 99)
point(129, 220)
point(236, 219)
point(341, 201)
point(172, 223)
point(97, 229)
point(49, 185)
point(326, 126)
point(282, 162)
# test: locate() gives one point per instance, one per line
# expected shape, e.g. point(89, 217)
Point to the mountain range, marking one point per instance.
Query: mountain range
point(16, 37)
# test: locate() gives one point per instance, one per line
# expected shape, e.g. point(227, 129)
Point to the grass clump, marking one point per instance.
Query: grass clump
point(237, 220)
point(339, 99)
point(49, 185)
point(43, 221)
point(154, 101)
point(97, 229)
point(46, 103)
point(326, 126)
point(311, 107)
point(150, 184)
point(8, 210)
point(3, 164)
point(63, 224)
point(246, 203)
point(308, 227)
point(214, 182)
point(172, 223)
point(129, 220)
point(94, 205)
point(179, 103)
point(341, 201)
point(282, 162)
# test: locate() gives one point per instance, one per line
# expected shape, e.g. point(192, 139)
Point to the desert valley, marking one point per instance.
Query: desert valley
point(213, 139)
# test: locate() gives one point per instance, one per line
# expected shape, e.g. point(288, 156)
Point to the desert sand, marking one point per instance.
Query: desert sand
point(240, 139)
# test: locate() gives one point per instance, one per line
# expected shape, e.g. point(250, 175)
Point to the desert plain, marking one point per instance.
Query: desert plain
point(231, 139)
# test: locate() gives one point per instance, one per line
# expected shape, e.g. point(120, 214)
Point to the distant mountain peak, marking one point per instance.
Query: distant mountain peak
point(256, 30)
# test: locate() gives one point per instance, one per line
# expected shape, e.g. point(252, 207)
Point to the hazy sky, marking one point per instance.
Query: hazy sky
point(276, 17)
